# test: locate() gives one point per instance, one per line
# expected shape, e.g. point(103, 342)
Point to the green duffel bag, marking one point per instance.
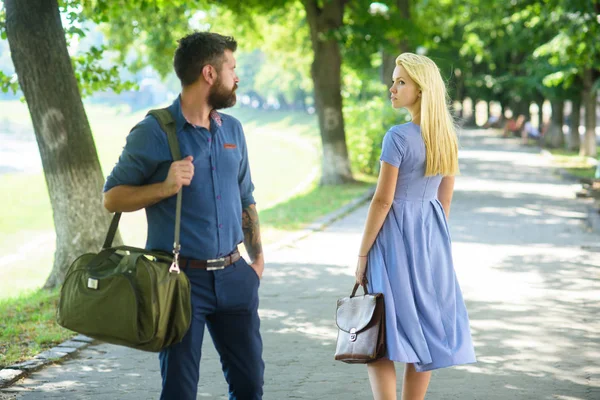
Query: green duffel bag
point(126, 295)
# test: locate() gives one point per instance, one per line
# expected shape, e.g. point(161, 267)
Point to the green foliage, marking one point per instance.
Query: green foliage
point(136, 31)
point(285, 43)
point(366, 125)
point(2, 22)
point(131, 28)
point(8, 83)
point(368, 115)
point(514, 52)
point(91, 74)
point(92, 77)
point(575, 46)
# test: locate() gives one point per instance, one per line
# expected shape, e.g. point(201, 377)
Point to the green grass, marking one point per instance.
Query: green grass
point(24, 204)
point(573, 163)
point(585, 173)
point(280, 122)
point(300, 210)
point(569, 153)
point(28, 326)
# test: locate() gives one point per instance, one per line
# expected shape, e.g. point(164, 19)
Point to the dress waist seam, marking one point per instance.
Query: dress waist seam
point(418, 200)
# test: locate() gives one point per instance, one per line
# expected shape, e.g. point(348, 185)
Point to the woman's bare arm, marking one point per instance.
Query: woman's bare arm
point(380, 205)
point(445, 192)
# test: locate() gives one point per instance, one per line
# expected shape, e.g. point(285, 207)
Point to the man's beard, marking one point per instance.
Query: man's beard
point(220, 97)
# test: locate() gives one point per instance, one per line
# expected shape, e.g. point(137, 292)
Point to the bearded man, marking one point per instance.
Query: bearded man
point(218, 213)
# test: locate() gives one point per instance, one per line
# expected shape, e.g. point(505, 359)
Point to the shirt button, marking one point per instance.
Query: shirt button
point(214, 168)
point(219, 197)
point(209, 139)
point(220, 225)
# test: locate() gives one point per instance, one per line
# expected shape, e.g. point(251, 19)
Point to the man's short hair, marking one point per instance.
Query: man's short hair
point(197, 50)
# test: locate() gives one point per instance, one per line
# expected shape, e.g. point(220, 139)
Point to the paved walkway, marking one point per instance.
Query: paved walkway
point(528, 267)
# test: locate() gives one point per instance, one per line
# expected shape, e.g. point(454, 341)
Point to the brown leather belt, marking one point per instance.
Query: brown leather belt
point(210, 265)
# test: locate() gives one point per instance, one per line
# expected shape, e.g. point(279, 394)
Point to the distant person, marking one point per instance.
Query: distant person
point(406, 249)
point(493, 121)
point(513, 126)
point(218, 213)
point(530, 131)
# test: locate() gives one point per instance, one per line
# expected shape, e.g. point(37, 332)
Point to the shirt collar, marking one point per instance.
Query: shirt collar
point(215, 116)
point(180, 120)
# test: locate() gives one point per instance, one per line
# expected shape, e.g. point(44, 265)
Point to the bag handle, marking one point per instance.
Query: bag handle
point(356, 285)
point(167, 124)
point(112, 231)
point(107, 253)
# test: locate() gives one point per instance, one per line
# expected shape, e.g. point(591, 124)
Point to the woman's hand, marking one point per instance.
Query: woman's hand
point(361, 270)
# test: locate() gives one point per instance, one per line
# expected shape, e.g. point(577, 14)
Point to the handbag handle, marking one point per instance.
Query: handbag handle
point(356, 285)
point(167, 124)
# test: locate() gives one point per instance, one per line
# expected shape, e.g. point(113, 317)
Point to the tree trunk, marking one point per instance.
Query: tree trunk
point(388, 63)
point(502, 110)
point(283, 104)
point(299, 100)
point(470, 119)
point(388, 60)
point(574, 139)
point(521, 108)
point(540, 105)
point(588, 146)
point(71, 167)
point(324, 23)
point(555, 137)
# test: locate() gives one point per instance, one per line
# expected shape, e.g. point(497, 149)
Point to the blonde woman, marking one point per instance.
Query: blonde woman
point(406, 242)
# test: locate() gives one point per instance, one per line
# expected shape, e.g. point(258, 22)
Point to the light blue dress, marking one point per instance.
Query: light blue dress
point(411, 264)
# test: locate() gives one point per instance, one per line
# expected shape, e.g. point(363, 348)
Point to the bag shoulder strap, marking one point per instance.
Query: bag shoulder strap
point(167, 124)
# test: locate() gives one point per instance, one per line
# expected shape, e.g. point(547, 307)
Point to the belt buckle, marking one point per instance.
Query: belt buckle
point(215, 264)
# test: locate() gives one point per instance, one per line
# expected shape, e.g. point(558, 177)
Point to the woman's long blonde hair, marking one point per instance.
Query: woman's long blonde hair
point(437, 126)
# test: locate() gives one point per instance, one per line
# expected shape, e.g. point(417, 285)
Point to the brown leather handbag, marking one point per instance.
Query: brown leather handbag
point(361, 323)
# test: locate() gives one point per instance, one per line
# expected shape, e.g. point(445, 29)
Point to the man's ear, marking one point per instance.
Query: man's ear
point(209, 74)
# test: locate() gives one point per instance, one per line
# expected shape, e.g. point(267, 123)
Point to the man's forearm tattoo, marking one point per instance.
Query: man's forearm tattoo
point(251, 229)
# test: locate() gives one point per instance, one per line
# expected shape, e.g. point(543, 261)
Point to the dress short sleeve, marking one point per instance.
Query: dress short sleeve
point(393, 147)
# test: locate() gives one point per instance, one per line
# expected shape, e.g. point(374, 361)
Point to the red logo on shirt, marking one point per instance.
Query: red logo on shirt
point(229, 146)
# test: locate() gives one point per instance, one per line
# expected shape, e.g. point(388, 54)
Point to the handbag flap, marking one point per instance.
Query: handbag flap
point(355, 312)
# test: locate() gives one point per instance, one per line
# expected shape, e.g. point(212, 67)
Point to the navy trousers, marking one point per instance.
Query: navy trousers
point(226, 301)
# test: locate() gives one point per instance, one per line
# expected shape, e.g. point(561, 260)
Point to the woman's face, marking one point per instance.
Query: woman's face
point(404, 91)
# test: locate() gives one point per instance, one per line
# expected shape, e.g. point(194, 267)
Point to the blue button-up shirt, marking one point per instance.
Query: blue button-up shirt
point(211, 213)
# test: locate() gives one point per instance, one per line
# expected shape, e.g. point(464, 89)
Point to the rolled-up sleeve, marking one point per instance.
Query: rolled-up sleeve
point(143, 152)
point(245, 178)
